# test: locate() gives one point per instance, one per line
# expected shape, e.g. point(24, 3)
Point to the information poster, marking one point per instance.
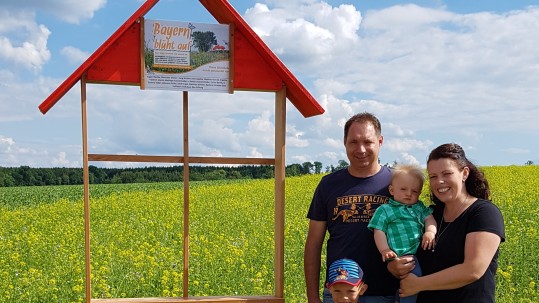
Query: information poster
point(186, 56)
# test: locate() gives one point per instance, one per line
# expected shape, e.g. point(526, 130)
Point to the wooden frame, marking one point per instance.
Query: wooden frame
point(279, 203)
point(253, 67)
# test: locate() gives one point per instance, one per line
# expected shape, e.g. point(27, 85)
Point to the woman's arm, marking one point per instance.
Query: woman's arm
point(479, 249)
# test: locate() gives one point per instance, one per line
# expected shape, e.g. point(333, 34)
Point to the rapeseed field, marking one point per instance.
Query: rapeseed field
point(137, 239)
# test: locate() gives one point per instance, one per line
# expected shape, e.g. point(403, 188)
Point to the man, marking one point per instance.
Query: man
point(343, 204)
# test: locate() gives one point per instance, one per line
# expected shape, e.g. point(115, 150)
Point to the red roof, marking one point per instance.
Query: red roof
point(255, 66)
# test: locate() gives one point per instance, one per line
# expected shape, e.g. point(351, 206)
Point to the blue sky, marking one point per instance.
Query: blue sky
point(432, 71)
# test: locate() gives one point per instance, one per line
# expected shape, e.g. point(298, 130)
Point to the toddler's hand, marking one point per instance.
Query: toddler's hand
point(428, 240)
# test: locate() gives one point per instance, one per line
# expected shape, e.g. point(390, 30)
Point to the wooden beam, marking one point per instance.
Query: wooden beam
point(86, 181)
point(280, 134)
point(247, 299)
point(186, 194)
point(180, 159)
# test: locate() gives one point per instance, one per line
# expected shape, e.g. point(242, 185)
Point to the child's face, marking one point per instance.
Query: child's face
point(405, 189)
point(345, 293)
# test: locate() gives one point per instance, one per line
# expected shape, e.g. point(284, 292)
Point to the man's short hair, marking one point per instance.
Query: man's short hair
point(364, 117)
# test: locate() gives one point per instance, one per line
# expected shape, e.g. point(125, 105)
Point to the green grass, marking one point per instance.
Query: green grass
point(137, 233)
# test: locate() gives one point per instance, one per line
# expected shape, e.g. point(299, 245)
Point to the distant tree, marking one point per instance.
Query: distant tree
point(529, 162)
point(99, 175)
point(307, 168)
point(293, 170)
point(317, 167)
point(218, 174)
point(5, 178)
point(75, 176)
point(233, 175)
point(204, 40)
point(342, 164)
point(47, 177)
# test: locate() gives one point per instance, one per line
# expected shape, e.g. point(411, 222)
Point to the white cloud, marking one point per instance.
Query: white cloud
point(406, 158)
point(406, 144)
point(306, 32)
point(334, 143)
point(6, 144)
point(67, 10)
point(397, 130)
point(14, 154)
point(74, 55)
point(61, 161)
point(254, 153)
point(23, 42)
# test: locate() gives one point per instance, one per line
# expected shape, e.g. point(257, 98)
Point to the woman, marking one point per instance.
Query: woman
point(463, 262)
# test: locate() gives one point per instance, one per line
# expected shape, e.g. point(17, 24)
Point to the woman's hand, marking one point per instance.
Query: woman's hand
point(409, 286)
point(400, 267)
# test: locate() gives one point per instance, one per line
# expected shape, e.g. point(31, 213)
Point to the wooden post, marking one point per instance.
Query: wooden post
point(231, 29)
point(280, 133)
point(185, 194)
point(86, 179)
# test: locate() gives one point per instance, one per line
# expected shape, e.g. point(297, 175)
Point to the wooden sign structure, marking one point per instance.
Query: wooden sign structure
point(253, 67)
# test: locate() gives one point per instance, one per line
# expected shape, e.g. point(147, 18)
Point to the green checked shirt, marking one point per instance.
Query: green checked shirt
point(403, 225)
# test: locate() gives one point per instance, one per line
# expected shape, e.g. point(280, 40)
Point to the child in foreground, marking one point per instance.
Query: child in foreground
point(345, 281)
point(404, 223)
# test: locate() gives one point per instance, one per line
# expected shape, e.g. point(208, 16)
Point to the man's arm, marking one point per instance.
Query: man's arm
point(312, 259)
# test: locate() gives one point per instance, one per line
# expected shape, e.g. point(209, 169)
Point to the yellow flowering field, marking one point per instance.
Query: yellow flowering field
point(137, 233)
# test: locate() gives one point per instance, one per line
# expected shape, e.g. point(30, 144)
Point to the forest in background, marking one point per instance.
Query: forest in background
point(29, 176)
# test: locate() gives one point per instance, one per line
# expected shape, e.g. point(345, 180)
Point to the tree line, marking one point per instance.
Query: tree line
point(28, 176)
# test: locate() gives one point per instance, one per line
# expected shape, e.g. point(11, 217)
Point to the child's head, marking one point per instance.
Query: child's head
point(406, 183)
point(345, 281)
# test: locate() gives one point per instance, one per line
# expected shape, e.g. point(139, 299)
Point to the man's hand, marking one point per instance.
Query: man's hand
point(400, 267)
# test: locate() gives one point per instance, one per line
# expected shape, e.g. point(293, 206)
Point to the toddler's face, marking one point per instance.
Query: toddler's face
point(345, 293)
point(405, 189)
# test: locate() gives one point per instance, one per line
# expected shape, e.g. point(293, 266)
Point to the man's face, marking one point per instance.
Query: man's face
point(362, 147)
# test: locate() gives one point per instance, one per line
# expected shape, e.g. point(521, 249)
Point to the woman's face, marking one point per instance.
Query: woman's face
point(446, 179)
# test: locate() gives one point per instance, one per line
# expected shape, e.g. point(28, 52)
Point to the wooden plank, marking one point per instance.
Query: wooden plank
point(251, 72)
point(231, 54)
point(300, 97)
point(142, 55)
point(180, 159)
point(280, 135)
point(120, 64)
point(86, 181)
point(68, 83)
point(185, 194)
point(247, 299)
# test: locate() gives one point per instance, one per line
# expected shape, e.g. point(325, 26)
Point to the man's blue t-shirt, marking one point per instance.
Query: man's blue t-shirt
point(347, 204)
